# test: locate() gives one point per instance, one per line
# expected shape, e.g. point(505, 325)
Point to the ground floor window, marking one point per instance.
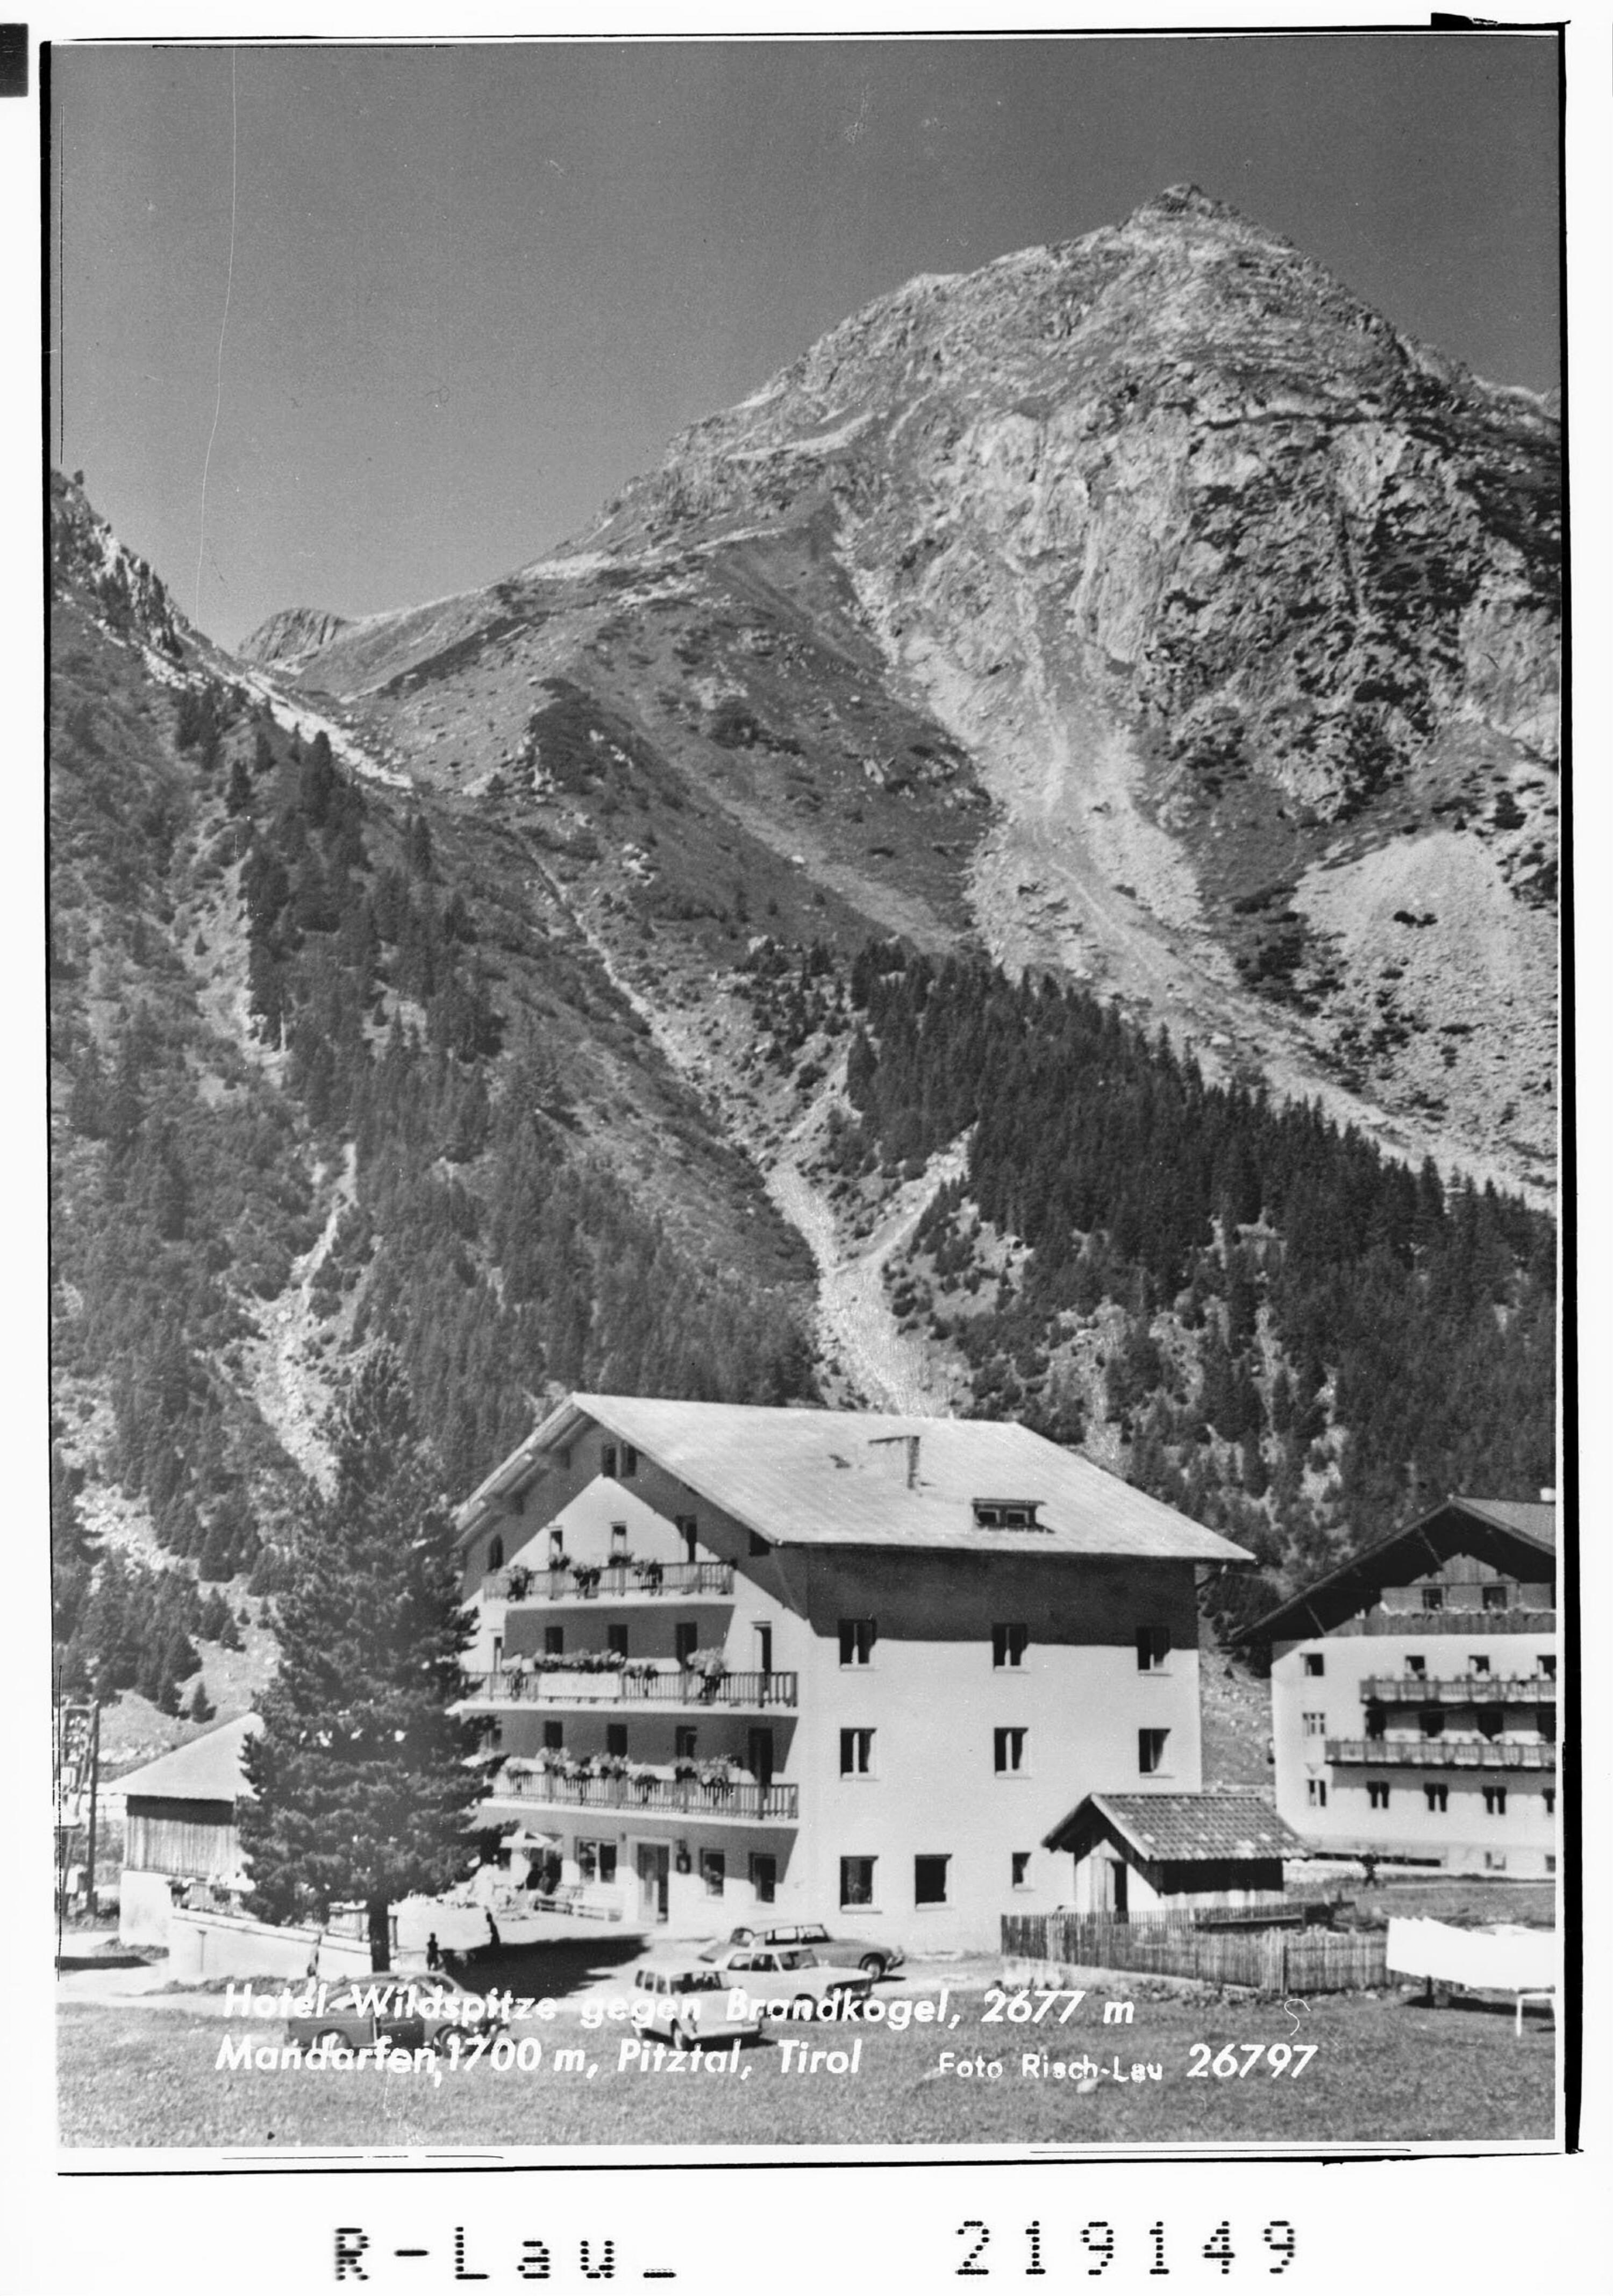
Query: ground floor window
point(596, 1861)
point(1496, 1801)
point(1549, 1798)
point(1316, 1792)
point(763, 1877)
point(1494, 1861)
point(1436, 1798)
point(1378, 1793)
point(857, 1881)
point(930, 1881)
point(714, 1869)
point(1019, 1868)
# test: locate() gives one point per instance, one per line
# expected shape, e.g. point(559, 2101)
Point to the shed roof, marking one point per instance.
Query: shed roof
point(207, 1769)
point(1170, 1829)
point(842, 1479)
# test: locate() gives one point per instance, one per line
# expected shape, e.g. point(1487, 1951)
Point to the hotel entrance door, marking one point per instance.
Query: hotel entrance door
point(654, 1861)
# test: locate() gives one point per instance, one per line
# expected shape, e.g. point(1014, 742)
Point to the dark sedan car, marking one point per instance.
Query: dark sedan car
point(412, 2009)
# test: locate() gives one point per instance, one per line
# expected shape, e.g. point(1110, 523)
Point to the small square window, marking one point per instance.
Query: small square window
point(555, 1737)
point(1316, 1792)
point(1314, 1662)
point(1488, 1722)
point(1315, 1724)
point(713, 1868)
point(1415, 1664)
point(1018, 1869)
point(1479, 1663)
point(1153, 1648)
point(1494, 1861)
point(856, 1753)
point(1007, 1646)
point(1433, 1598)
point(1494, 1598)
point(1430, 1721)
point(1376, 1793)
point(930, 1881)
point(1009, 1751)
point(1151, 1751)
point(857, 1882)
point(1437, 1799)
point(616, 1737)
point(857, 1637)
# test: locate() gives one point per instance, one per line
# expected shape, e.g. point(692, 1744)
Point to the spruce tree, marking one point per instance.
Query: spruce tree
point(362, 1788)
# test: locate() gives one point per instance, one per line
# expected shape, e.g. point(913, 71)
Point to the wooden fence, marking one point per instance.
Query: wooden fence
point(1270, 1960)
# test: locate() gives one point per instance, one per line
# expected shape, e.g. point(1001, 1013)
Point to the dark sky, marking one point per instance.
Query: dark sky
point(475, 289)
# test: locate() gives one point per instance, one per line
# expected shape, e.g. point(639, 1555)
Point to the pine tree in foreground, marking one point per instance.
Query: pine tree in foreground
point(362, 1791)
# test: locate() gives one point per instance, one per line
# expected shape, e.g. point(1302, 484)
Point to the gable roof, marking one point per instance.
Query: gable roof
point(1515, 1535)
point(207, 1769)
point(842, 1478)
point(1170, 1829)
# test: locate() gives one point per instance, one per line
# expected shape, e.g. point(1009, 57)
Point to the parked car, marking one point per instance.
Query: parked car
point(878, 1959)
point(688, 2005)
point(408, 2009)
point(787, 1972)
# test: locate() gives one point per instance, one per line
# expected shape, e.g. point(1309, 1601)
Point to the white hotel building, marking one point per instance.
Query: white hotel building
point(834, 1664)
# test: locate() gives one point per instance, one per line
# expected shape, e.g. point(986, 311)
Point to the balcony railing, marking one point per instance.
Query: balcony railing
point(1410, 1624)
point(572, 1686)
point(742, 1802)
point(1461, 1689)
point(1443, 1753)
point(611, 1583)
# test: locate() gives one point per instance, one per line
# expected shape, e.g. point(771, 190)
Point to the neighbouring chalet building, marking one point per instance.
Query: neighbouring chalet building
point(1414, 1694)
point(1150, 1853)
point(832, 1662)
point(179, 1827)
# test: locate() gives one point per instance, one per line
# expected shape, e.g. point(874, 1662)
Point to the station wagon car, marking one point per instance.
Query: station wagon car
point(787, 1972)
point(688, 2005)
point(877, 1959)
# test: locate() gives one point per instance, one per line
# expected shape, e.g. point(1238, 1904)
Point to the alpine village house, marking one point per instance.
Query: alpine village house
point(824, 1663)
point(1414, 1694)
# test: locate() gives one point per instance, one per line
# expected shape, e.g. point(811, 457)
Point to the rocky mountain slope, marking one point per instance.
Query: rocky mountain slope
point(1237, 608)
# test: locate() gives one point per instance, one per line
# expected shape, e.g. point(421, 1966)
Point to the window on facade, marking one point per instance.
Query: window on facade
point(856, 1753)
point(1430, 1721)
point(1316, 1792)
point(495, 1554)
point(1496, 1801)
point(596, 1861)
point(618, 1539)
point(1007, 1646)
point(498, 1652)
point(494, 1742)
point(607, 1459)
point(1018, 1869)
point(930, 1881)
point(1551, 1863)
point(684, 1739)
point(763, 1876)
point(1494, 1598)
point(616, 1737)
point(1437, 1797)
point(758, 1544)
point(1477, 1662)
point(688, 1531)
point(616, 1641)
point(1489, 1722)
point(1495, 1861)
point(1375, 1719)
point(1151, 1750)
point(1314, 1662)
point(555, 1737)
point(1548, 1666)
point(1315, 1724)
point(714, 1870)
point(557, 1545)
point(1377, 1794)
point(686, 1641)
point(1007, 1514)
point(1153, 1648)
point(1549, 1798)
point(1415, 1664)
point(857, 1637)
point(1433, 1598)
point(555, 1641)
point(1545, 1724)
point(857, 1882)
point(1009, 1751)
point(629, 1461)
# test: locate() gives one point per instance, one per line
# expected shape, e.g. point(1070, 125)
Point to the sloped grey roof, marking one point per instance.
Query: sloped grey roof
point(839, 1478)
point(209, 1769)
point(1168, 1829)
point(1533, 1518)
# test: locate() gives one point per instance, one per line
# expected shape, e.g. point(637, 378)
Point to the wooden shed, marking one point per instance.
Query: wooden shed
point(179, 1825)
point(1175, 1852)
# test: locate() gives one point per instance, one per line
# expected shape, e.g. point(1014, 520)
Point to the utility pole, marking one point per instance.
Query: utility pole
point(89, 1871)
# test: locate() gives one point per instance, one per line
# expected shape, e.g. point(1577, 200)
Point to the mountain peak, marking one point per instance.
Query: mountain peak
point(1188, 200)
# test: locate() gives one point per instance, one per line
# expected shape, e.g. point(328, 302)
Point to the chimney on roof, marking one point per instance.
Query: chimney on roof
point(907, 1456)
point(912, 1463)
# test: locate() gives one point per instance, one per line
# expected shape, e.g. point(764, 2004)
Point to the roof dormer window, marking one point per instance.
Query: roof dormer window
point(1007, 1515)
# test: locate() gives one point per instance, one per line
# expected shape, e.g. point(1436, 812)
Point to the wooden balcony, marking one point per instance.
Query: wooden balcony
point(1408, 1625)
point(743, 1803)
point(553, 1687)
point(631, 1583)
point(1443, 1753)
point(1460, 1690)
